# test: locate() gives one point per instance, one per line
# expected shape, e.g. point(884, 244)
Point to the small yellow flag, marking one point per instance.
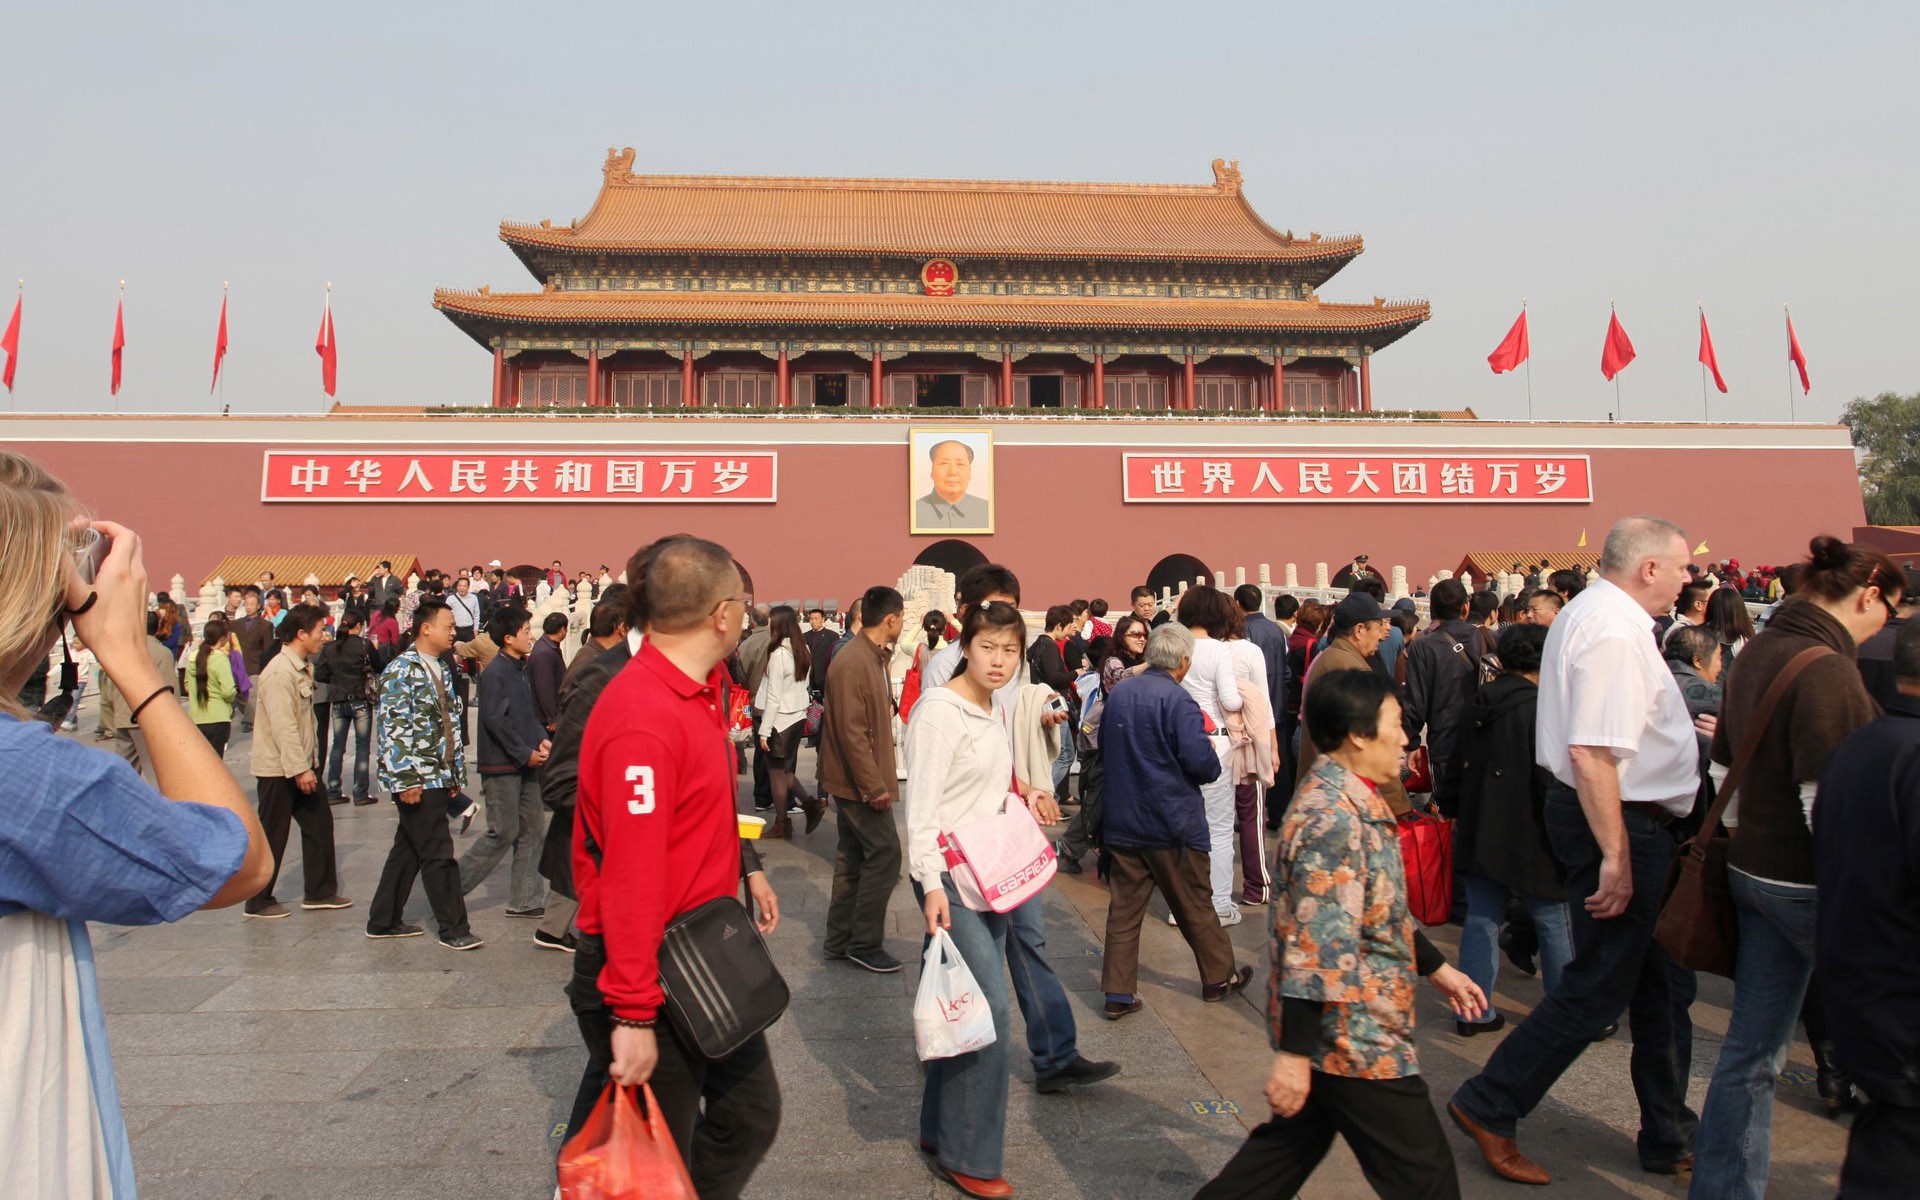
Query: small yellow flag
point(1583, 538)
point(1700, 549)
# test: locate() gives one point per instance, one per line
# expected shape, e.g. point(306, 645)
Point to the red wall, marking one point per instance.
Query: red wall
point(841, 524)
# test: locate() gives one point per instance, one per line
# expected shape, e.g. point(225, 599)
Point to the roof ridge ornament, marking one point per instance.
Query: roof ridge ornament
point(1226, 175)
point(619, 167)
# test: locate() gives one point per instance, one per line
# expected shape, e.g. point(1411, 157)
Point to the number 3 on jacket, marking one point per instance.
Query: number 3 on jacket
point(642, 780)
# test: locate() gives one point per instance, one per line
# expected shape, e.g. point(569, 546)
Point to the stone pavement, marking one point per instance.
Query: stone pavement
point(296, 1058)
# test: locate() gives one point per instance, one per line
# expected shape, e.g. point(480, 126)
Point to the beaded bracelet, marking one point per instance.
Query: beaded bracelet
point(631, 1023)
point(135, 714)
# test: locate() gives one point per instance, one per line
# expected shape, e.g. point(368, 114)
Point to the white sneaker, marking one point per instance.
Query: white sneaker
point(1231, 917)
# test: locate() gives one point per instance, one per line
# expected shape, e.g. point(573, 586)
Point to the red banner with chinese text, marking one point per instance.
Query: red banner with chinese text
point(350, 476)
point(1351, 478)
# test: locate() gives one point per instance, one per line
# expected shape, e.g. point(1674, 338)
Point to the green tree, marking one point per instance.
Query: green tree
point(1886, 432)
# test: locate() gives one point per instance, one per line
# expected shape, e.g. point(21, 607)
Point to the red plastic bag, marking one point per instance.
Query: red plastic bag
point(1426, 850)
point(623, 1154)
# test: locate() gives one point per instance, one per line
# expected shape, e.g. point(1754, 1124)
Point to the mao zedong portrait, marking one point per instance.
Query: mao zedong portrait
point(950, 505)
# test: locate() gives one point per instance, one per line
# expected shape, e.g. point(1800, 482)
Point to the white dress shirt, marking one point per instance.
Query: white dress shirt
point(1603, 683)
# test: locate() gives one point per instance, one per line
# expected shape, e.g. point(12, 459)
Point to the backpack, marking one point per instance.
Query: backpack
point(1093, 705)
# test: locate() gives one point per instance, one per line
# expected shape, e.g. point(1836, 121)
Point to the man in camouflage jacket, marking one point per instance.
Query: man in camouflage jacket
point(422, 763)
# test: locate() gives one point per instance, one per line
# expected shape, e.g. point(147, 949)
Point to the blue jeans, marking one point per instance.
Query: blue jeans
point(1480, 940)
point(1052, 1039)
point(1063, 762)
point(1616, 965)
point(1769, 981)
point(359, 715)
point(963, 1104)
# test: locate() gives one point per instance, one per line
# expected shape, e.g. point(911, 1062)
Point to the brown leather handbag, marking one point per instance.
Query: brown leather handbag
point(1698, 927)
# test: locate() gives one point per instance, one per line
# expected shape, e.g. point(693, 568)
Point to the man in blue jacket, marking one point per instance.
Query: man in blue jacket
point(1157, 754)
point(513, 746)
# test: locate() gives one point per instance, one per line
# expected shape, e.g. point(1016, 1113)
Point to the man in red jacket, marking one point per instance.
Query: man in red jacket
point(655, 836)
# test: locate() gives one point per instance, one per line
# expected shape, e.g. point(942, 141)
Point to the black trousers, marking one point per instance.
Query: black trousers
point(1883, 1153)
point(217, 735)
point(762, 786)
point(280, 803)
point(1389, 1124)
point(865, 872)
point(721, 1145)
point(422, 846)
point(322, 730)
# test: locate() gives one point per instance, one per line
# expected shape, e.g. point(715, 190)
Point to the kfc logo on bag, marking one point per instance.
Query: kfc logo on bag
point(957, 1009)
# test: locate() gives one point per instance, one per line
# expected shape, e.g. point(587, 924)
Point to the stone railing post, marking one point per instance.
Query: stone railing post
point(1399, 582)
point(1320, 575)
point(1266, 575)
point(1293, 575)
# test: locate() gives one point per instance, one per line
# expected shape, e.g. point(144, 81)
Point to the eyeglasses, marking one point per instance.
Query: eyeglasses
point(741, 600)
point(1137, 633)
point(1880, 594)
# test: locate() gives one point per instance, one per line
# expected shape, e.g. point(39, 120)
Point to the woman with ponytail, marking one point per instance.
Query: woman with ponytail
point(211, 687)
point(1845, 595)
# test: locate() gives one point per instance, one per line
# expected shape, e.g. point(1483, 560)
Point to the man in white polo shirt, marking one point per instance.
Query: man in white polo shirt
point(1614, 731)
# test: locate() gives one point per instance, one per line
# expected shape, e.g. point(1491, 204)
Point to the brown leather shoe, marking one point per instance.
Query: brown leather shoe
point(985, 1189)
point(815, 810)
point(1214, 993)
point(780, 828)
point(1502, 1153)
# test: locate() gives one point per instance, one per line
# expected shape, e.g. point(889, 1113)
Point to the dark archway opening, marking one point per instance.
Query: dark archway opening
point(951, 554)
point(1174, 570)
point(938, 391)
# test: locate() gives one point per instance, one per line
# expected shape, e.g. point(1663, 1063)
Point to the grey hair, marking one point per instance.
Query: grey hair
point(1169, 646)
point(1635, 540)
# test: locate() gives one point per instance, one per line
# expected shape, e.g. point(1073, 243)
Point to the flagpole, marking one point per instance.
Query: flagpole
point(119, 313)
point(224, 285)
point(1706, 412)
point(1793, 414)
point(13, 402)
point(326, 306)
point(1523, 314)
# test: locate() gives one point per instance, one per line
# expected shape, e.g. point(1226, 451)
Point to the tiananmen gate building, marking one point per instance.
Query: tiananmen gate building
point(1098, 385)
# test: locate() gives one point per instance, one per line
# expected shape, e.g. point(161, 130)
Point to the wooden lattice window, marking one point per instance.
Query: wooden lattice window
point(1224, 393)
point(1136, 392)
point(1313, 394)
point(900, 390)
point(553, 389)
point(973, 391)
point(739, 389)
point(646, 389)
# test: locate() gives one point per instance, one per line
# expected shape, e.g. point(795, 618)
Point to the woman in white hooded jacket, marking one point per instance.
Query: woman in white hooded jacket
point(959, 769)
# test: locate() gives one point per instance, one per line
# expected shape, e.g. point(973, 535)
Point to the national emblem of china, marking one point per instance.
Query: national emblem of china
point(939, 276)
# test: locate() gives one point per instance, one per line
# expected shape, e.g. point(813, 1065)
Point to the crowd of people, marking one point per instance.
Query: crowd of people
point(1237, 753)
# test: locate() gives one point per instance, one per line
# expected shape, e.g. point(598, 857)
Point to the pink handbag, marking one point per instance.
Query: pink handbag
point(999, 862)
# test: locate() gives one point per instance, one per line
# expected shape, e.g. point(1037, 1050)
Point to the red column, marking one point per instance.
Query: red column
point(593, 378)
point(879, 394)
point(1186, 385)
point(1099, 397)
point(1006, 379)
point(499, 377)
point(782, 381)
point(1366, 384)
point(689, 396)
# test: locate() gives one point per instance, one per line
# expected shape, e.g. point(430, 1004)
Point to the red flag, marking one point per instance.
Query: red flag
point(10, 342)
point(1618, 351)
point(1797, 357)
point(1513, 349)
point(1707, 357)
point(119, 342)
point(219, 344)
point(325, 348)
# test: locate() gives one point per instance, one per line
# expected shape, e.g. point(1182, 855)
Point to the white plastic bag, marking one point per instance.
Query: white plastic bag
point(950, 1015)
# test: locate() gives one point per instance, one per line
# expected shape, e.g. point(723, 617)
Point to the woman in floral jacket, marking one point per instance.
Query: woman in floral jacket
point(1345, 956)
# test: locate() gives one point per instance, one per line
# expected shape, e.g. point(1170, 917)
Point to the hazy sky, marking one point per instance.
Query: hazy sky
point(1656, 155)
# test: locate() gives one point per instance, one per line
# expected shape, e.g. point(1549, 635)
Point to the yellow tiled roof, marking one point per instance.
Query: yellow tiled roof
point(1495, 562)
point(892, 309)
point(934, 217)
point(291, 570)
